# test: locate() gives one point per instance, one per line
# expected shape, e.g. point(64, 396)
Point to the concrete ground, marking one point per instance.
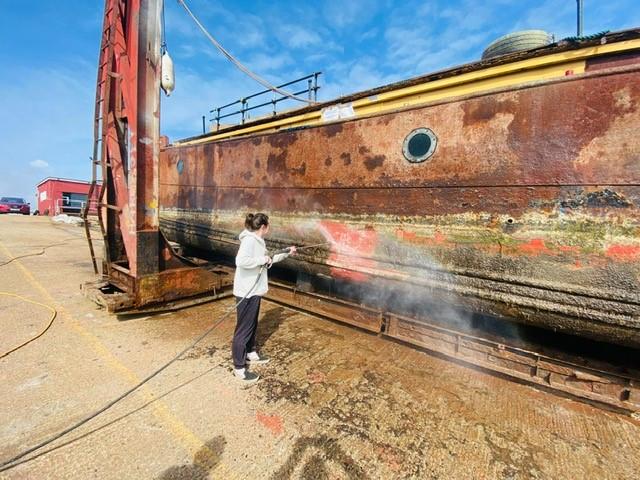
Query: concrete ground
point(334, 402)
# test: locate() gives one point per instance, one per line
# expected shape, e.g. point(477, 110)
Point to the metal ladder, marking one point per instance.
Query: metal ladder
point(103, 92)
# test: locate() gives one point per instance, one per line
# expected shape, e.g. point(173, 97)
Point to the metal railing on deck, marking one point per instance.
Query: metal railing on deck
point(221, 112)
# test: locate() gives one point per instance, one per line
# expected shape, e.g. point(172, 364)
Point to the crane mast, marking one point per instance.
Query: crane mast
point(138, 260)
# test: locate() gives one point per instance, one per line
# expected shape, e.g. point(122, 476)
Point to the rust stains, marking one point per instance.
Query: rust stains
point(612, 152)
point(492, 200)
point(282, 140)
point(374, 162)
point(333, 129)
point(576, 138)
point(426, 202)
point(301, 170)
point(600, 199)
point(209, 150)
point(384, 120)
point(484, 109)
point(371, 161)
point(277, 163)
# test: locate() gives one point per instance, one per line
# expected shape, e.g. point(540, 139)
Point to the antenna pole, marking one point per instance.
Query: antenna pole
point(579, 19)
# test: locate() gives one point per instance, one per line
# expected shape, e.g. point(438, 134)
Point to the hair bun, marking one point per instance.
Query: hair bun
point(254, 221)
point(248, 222)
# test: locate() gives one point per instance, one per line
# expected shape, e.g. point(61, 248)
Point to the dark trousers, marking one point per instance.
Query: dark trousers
point(244, 338)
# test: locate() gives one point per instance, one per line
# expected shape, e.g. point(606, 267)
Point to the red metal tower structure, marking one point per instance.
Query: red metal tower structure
point(138, 260)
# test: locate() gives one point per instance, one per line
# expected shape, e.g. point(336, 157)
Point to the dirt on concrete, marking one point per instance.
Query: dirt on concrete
point(334, 401)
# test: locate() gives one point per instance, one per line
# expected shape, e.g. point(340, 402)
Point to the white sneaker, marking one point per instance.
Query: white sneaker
point(254, 358)
point(244, 375)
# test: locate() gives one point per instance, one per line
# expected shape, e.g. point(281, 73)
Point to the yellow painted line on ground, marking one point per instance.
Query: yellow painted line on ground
point(190, 440)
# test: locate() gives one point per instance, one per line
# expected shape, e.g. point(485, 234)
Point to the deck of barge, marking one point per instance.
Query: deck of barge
point(335, 401)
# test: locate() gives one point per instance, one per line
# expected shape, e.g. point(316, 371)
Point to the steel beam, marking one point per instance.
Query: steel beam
point(138, 260)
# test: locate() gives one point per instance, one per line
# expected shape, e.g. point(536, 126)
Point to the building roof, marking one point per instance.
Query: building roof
point(59, 179)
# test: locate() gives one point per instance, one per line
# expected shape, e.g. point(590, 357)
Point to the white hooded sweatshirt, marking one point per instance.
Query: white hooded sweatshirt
point(252, 254)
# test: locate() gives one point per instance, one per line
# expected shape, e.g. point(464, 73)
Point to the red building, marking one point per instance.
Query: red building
point(63, 195)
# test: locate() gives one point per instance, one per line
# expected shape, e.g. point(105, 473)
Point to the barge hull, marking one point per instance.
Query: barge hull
point(528, 209)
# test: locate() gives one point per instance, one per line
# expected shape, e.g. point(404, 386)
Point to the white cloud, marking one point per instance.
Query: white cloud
point(46, 113)
point(351, 77)
point(39, 163)
point(341, 14)
point(369, 34)
point(263, 62)
point(195, 95)
point(550, 15)
point(295, 36)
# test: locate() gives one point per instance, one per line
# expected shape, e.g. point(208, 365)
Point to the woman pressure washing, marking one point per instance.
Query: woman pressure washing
point(250, 281)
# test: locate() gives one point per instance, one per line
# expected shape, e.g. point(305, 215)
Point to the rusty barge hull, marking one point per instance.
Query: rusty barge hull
point(529, 208)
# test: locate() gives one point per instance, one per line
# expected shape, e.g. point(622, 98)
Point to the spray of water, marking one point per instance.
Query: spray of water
point(380, 271)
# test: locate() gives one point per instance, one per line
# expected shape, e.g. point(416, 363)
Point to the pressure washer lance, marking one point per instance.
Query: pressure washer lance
point(288, 249)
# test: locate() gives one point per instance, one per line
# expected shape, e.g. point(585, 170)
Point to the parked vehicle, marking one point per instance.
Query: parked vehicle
point(14, 205)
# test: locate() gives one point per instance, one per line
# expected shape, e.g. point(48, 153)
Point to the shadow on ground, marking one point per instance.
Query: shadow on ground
point(270, 322)
point(311, 457)
point(205, 460)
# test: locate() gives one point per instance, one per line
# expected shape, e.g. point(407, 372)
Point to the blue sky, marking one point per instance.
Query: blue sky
point(48, 53)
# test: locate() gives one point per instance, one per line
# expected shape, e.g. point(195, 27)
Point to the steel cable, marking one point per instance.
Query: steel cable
point(42, 250)
point(237, 63)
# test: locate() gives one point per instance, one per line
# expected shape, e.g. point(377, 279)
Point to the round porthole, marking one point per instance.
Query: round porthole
point(180, 166)
point(419, 145)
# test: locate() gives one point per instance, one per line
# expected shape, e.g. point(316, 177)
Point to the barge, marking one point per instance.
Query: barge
point(507, 187)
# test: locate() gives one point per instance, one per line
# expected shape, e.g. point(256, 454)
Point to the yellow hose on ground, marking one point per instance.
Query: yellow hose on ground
point(54, 313)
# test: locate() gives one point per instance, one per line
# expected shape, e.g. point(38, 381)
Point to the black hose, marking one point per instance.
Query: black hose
point(13, 462)
point(41, 252)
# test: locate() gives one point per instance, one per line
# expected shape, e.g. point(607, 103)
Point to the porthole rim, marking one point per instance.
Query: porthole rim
point(432, 148)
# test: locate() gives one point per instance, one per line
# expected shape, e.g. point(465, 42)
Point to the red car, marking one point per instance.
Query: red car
point(14, 205)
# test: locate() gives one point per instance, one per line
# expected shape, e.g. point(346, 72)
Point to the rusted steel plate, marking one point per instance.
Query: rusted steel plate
point(322, 305)
point(510, 202)
point(177, 283)
point(529, 207)
point(613, 61)
point(570, 133)
point(596, 385)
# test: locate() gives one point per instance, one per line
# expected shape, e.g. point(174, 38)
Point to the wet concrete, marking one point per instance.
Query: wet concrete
point(334, 402)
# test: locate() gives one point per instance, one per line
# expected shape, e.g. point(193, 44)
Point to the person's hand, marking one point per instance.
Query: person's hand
point(292, 250)
point(268, 261)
